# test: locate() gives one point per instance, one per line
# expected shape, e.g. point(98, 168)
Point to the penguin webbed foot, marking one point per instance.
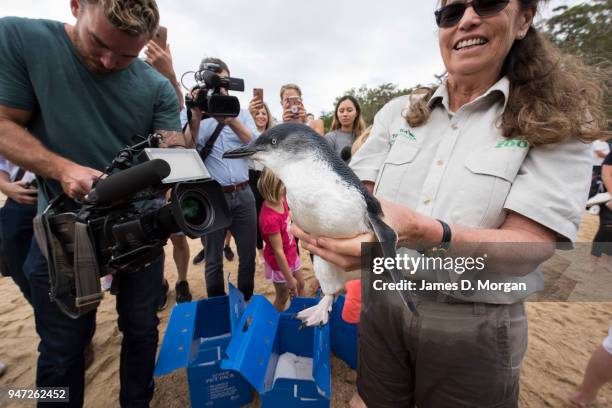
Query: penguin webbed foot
point(318, 314)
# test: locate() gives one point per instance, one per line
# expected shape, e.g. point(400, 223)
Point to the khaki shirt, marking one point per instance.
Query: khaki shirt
point(459, 168)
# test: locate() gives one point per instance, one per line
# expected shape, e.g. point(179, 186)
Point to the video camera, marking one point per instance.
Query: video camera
point(209, 97)
point(123, 224)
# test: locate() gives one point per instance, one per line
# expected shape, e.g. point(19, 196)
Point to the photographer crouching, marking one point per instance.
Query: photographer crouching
point(214, 134)
point(71, 97)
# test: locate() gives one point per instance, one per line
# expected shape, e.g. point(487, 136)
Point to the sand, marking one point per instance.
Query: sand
point(561, 338)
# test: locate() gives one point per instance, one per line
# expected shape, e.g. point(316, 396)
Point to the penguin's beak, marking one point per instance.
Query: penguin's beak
point(244, 151)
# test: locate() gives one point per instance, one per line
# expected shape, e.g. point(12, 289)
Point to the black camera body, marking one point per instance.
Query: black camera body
point(125, 221)
point(210, 99)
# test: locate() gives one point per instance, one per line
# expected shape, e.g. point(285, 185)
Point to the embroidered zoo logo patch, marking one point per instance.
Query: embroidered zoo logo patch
point(512, 143)
point(406, 133)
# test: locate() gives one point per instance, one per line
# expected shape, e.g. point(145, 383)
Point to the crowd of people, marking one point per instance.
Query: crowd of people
point(436, 159)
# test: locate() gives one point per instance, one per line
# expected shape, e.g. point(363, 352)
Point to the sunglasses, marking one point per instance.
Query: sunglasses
point(451, 14)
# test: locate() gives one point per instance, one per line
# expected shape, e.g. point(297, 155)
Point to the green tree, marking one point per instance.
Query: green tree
point(327, 117)
point(585, 30)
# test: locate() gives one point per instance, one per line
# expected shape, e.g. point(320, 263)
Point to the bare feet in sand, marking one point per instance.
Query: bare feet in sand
point(582, 400)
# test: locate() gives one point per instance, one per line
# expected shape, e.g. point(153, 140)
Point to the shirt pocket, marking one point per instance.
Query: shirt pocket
point(488, 176)
point(399, 159)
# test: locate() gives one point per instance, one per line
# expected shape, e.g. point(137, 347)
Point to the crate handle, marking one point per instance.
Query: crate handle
point(247, 324)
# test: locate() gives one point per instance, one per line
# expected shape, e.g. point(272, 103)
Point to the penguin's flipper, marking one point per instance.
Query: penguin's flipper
point(385, 234)
point(388, 240)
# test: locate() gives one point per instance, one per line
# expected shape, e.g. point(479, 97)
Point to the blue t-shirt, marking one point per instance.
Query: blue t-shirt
point(225, 171)
point(80, 115)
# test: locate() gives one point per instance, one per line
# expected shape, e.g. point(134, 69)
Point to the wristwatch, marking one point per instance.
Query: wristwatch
point(440, 250)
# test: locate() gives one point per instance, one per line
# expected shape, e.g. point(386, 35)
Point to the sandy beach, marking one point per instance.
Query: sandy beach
point(561, 339)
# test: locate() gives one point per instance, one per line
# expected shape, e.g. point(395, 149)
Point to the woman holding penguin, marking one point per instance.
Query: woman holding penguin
point(496, 153)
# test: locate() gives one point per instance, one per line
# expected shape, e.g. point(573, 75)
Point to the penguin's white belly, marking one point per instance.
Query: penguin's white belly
point(324, 205)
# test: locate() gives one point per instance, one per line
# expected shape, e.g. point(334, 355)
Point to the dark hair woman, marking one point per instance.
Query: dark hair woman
point(347, 124)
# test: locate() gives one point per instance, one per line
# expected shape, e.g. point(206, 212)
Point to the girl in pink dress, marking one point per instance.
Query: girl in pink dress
point(281, 260)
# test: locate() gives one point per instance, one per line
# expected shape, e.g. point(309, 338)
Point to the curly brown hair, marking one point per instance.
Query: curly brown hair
point(553, 96)
point(134, 17)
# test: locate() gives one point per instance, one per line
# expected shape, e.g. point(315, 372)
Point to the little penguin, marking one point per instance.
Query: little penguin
point(326, 198)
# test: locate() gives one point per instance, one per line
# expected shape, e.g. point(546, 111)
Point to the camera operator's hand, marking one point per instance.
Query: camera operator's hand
point(255, 105)
point(196, 112)
point(20, 192)
point(239, 128)
point(77, 180)
point(227, 121)
point(192, 132)
point(160, 59)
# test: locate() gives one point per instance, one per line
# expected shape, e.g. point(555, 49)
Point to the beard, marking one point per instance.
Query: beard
point(90, 62)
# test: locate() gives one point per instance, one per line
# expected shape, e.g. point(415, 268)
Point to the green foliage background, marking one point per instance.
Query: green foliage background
point(585, 30)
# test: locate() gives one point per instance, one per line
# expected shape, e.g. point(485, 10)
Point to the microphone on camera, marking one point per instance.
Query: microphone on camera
point(345, 154)
point(128, 182)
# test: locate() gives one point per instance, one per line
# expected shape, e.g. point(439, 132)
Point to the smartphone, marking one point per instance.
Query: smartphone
point(161, 37)
point(258, 94)
point(294, 104)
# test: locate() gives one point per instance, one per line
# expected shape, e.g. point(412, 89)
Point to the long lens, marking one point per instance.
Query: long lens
point(196, 208)
point(193, 207)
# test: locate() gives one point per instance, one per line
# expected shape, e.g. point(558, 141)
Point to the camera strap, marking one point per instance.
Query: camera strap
point(86, 269)
point(74, 277)
point(207, 149)
point(20, 173)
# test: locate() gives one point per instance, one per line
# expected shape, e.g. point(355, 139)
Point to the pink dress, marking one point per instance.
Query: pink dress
point(272, 222)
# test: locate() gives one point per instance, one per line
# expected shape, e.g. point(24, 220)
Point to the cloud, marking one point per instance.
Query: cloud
point(326, 47)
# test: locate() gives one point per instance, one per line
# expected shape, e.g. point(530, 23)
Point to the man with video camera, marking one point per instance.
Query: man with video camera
point(214, 136)
point(71, 97)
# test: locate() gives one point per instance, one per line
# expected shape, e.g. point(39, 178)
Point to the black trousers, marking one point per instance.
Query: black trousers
point(259, 200)
point(16, 235)
point(63, 339)
point(244, 225)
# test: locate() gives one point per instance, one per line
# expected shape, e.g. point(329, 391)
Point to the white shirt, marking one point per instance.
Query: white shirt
point(10, 169)
point(225, 171)
point(458, 167)
point(601, 146)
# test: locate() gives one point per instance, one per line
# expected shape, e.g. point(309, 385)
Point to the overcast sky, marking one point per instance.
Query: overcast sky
point(325, 46)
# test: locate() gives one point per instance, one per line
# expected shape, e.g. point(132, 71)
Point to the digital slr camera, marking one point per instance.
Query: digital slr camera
point(123, 224)
point(209, 97)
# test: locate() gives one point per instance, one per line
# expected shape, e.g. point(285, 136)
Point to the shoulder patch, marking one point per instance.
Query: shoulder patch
point(512, 143)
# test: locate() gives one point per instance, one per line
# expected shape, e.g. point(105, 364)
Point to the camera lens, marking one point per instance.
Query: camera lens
point(194, 210)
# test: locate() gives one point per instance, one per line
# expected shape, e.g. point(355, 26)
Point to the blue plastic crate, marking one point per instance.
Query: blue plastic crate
point(262, 335)
point(197, 336)
point(343, 335)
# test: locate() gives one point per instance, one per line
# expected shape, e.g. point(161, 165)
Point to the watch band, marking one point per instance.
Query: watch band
point(446, 235)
